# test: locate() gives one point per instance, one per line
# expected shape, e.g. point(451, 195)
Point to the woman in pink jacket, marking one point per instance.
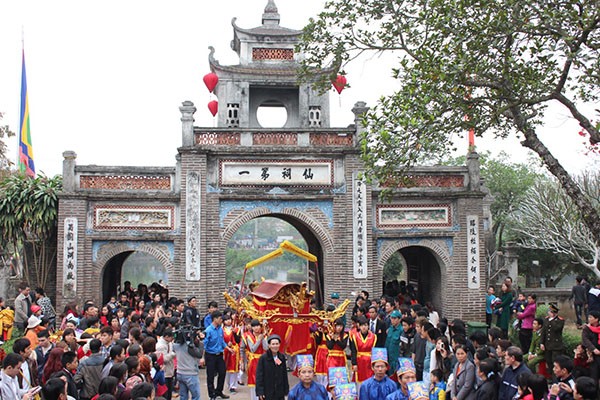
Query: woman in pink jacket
point(527, 316)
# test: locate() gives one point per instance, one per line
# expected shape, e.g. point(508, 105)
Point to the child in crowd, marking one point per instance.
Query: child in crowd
point(437, 389)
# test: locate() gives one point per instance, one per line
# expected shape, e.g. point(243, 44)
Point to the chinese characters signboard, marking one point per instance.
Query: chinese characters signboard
point(359, 239)
point(192, 228)
point(276, 173)
point(70, 258)
point(473, 251)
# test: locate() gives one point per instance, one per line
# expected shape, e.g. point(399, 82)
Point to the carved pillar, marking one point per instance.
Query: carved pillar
point(359, 109)
point(511, 263)
point(69, 171)
point(474, 172)
point(187, 123)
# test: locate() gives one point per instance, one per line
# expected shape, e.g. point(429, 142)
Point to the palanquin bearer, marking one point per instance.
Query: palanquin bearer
point(362, 342)
point(255, 344)
point(320, 368)
point(307, 389)
point(231, 354)
point(379, 386)
point(406, 373)
point(336, 344)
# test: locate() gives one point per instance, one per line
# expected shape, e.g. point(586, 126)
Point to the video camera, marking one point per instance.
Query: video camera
point(188, 335)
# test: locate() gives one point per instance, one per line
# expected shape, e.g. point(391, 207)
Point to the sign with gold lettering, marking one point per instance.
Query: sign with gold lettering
point(70, 258)
point(473, 251)
point(276, 173)
point(359, 239)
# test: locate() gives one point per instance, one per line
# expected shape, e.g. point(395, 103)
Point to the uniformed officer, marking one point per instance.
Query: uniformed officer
point(335, 301)
point(551, 337)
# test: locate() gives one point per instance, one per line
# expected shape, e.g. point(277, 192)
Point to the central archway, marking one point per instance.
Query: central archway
point(306, 231)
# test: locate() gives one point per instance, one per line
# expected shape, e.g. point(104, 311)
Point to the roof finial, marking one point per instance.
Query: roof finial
point(271, 15)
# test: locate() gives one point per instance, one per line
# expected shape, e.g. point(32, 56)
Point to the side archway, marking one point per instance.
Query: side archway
point(427, 262)
point(109, 258)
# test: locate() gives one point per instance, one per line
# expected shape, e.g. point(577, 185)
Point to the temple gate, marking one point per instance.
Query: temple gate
point(305, 172)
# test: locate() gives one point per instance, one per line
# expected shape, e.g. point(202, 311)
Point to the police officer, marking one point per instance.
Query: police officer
point(551, 337)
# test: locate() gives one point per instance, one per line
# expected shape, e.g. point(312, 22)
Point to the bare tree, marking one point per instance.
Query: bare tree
point(549, 219)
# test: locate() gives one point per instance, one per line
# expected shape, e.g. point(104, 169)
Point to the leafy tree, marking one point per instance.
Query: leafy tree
point(553, 267)
point(499, 62)
point(549, 219)
point(28, 222)
point(508, 183)
point(392, 268)
point(5, 163)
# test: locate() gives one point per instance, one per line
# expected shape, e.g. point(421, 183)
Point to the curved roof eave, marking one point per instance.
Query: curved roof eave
point(264, 30)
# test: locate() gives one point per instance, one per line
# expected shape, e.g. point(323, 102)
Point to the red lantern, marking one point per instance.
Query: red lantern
point(340, 83)
point(211, 80)
point(213, 107)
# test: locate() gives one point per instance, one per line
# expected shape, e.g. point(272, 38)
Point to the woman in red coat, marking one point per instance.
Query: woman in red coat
point(361, 345)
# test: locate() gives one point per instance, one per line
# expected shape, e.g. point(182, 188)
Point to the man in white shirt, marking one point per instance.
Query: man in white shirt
point(9, 386)
point(164, 347)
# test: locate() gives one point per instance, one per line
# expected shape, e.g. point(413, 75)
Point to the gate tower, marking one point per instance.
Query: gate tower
point(304, 172)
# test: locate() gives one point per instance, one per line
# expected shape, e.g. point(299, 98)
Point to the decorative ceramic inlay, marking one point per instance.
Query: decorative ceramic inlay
point(413, 216)
point(117, 217)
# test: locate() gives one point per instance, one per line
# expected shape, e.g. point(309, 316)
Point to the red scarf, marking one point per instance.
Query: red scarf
point(596, 330)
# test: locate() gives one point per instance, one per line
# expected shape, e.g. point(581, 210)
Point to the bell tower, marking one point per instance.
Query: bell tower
point(266, 76)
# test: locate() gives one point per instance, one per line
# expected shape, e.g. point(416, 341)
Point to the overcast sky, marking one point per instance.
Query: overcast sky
point(106, 79)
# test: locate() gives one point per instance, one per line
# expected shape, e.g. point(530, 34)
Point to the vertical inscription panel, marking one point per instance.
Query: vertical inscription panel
point(359, 223)
point(70, 258)
point(473, 251)
point(192, 227)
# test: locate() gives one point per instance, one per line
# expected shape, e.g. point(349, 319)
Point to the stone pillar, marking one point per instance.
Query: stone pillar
point(511, 263)
point(177, 182)
point(69, 171)
point(474, 172)
point(187, 123)
point(359, 109)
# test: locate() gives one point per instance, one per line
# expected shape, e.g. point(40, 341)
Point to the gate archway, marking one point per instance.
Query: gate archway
point(426, 263)
point(314, 234)
point(111, 257)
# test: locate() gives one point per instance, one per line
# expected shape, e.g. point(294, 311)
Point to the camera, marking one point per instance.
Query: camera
point(186, 334)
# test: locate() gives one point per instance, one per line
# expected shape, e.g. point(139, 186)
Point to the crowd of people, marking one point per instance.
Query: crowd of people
point(144, 344)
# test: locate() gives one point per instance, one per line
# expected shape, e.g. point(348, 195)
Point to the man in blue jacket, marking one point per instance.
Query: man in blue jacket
point(515, 367)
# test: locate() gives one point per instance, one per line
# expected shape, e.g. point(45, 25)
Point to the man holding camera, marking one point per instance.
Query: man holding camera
point(189, 352)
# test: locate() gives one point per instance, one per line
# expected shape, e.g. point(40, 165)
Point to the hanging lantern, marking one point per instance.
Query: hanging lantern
point(213, 107)
point(211, 80)
point(340, 83)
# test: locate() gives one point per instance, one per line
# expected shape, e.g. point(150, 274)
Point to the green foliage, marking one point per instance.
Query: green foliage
point(256, 238)
point(508, 183)
point(7, 346)
point(541, 311)
point(5, 132)
point(392, 268)
point(571, 341)
point(499, 62)
point(28, 221)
